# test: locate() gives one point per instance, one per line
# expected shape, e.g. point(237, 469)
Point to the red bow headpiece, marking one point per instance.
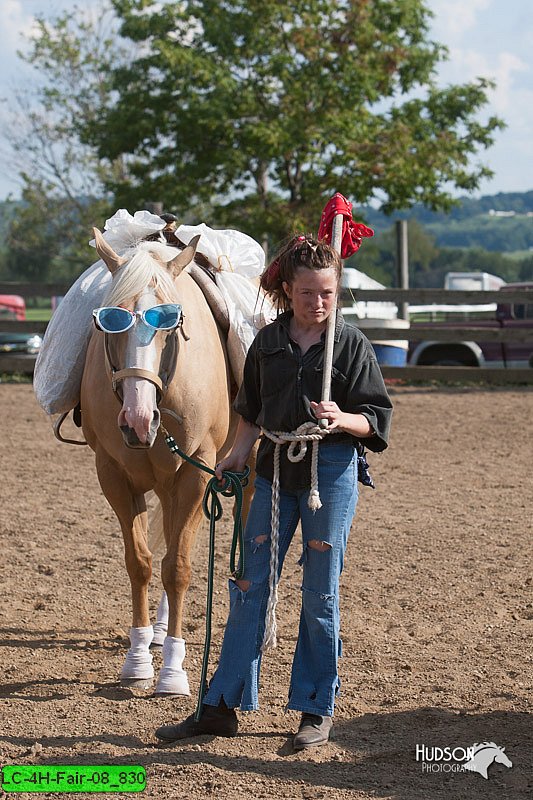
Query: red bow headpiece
point(352, 232)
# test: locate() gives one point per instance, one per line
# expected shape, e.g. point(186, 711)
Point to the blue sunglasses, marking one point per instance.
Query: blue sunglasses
point(113, 319)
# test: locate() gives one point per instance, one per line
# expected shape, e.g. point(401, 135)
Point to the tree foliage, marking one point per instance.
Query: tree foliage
point(63, 191)
point(47, 237)
point(260, 110)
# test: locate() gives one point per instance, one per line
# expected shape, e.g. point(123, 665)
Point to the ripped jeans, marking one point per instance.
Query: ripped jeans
point(314, 680)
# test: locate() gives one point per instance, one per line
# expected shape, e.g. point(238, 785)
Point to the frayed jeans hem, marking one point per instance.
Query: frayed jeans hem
point(292, 706)
point(248, 707)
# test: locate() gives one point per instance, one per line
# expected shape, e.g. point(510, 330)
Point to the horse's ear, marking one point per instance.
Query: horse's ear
point(185, 257)
point(106, 252)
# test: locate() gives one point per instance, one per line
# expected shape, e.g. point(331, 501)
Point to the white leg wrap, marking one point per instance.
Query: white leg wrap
point(172, 677)
point(138, 664)
point(161, 622)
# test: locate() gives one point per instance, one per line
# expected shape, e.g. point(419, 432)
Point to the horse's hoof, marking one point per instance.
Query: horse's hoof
point(137, 683)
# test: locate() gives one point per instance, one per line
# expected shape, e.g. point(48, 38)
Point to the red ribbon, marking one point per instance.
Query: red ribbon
point(270, 276)
point(352, 232)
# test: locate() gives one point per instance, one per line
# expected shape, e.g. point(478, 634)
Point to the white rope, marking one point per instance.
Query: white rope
point(307, 432)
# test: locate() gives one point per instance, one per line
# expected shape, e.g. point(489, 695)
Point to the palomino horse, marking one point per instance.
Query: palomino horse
point(138, 367)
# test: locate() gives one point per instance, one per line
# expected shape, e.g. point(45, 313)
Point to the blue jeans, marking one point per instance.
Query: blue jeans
point(314, 680)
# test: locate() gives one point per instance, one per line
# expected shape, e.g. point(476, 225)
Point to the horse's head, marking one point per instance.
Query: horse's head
point(483, 755)
point(502, 758)
point(140, 320)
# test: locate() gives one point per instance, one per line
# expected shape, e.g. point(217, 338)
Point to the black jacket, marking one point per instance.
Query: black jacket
point(279, 383)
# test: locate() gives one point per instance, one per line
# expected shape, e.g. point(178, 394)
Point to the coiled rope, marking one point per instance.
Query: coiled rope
point(296, 451)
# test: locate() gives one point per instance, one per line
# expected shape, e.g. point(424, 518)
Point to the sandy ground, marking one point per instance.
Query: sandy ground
point(437, 619)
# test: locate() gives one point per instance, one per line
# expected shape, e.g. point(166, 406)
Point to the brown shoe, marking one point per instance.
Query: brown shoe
point(314, 731)
point(214, 721)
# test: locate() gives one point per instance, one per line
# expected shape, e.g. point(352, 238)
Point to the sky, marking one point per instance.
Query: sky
point(487, 38)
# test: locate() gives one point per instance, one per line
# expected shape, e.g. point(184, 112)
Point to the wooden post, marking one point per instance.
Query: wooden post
point(402, 263)
point(155, 208)
point(336, 242)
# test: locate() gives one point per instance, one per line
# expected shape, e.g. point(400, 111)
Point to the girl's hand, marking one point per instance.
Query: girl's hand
point(329, 411)
point(355, 424)
point(232, 463)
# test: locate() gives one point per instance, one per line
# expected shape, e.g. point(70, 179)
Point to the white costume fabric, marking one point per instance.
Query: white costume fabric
point(60, 362)
point(237, 259)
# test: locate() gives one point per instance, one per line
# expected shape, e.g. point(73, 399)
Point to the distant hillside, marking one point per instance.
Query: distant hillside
point(501, 223)
point(498, 223)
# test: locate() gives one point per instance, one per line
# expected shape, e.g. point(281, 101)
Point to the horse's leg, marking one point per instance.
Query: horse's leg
point(182, 513)
point(156, 541)
point(161, 621)
point(130, 508)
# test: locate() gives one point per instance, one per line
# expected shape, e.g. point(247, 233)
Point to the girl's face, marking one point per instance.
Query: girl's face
point(312, 294)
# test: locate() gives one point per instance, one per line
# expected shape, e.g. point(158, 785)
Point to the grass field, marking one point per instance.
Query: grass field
point(38, 314)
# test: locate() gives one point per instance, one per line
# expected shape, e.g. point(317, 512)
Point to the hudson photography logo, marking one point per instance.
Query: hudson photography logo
point(476, 758)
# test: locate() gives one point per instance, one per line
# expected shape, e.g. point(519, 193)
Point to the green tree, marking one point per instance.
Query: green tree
point(525, 269)
point(47, 238)
point(63, 190)
point(476, 259)
point(261, 109)
point(378, 257)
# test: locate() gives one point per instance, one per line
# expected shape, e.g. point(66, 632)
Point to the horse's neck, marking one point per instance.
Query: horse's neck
point(485, 756)
point(212, 295)
point(200, 330)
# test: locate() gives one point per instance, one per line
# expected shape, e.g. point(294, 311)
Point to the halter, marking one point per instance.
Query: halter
point(167, 366)
point(161, 381)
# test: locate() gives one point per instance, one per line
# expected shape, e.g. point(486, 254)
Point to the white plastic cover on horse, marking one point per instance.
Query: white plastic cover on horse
point(61, 359)
point(237, 259)
point(59, 365)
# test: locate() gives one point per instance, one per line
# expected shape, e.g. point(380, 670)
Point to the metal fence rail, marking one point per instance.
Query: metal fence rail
point(513, 375)
point(438, 296)
point(457, 331)
point(19, 363)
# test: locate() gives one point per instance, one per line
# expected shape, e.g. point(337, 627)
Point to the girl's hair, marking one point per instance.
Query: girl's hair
point(300, 251)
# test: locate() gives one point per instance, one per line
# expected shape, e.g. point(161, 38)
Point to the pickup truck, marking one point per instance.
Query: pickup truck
point(472, 353)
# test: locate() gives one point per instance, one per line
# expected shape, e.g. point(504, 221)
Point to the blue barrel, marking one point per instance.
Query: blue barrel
point(391, 355)
point(389, 352)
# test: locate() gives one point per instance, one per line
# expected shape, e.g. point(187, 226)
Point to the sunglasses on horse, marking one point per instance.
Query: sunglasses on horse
point(113, 319)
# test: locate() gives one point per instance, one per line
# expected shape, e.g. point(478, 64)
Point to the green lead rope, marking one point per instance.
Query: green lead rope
point(231, 485)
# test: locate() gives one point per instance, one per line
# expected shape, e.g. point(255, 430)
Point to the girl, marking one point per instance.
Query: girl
point(281, 390)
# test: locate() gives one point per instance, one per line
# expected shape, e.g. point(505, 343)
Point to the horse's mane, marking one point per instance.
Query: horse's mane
point(144, 268)
point(484, 745)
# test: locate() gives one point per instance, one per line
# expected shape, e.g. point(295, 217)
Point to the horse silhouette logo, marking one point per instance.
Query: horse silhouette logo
point(485, 754)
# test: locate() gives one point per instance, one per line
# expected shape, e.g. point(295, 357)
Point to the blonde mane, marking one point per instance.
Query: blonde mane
point(145, 267)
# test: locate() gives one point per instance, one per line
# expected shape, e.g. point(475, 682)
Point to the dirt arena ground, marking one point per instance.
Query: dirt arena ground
point(437, 619)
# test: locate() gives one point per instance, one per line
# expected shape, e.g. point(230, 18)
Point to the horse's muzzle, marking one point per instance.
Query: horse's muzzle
point(132, 440)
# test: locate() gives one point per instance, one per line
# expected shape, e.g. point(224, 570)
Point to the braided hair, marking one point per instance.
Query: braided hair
point(299, 252)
